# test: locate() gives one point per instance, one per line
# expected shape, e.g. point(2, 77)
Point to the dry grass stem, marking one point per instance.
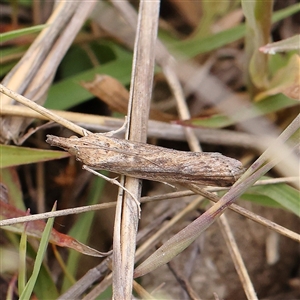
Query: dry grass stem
point(198, 79)
point(143, 294)
point(43, 111)
point(100, 288)
point(33, 74)
point(207, 193)
point(138, 112)
point(250, 215)
point(183, 281)
point(142, 249)
point(182, 107)
point(156, 129)
point(237, 258)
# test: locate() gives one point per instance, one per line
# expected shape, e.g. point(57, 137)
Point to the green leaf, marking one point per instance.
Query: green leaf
point(22, 261)
point(102, 52)
point(6, 68)
point(9, 57)
point(261, 200)
point(276, 195)
point(26, 294)
point(210, 13)
point(59, 99)
point(214, 121)
point(197, 46)
point(286, 80)
point(10, 181)
point(286, 12)
point(193, 47)
point(15, 156)
point(76, 54)
point(44, 285)
point(20, 32)
point(258, 25)
point(12, 51)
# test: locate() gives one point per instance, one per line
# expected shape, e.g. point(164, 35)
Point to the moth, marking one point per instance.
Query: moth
point(145, 161)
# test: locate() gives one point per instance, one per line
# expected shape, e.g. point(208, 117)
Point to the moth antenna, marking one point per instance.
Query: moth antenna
point(116, 182)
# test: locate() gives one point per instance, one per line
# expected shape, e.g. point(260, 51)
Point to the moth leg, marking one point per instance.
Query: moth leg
point(116, 182)
point(113, 132)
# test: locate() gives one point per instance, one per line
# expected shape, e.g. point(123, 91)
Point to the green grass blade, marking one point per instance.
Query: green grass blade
point(45, 287)
point(15, 156)
point(193, 47)
point(4, 37)
point(26, 294)
point(58, 99)
point(22, 262)
point(286, 12)
point(11, 182)
point(284, 195)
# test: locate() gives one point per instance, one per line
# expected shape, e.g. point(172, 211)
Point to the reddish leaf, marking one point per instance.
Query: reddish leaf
point(36, 228)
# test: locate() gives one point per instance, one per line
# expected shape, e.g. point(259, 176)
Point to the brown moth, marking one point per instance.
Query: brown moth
point(145, 161)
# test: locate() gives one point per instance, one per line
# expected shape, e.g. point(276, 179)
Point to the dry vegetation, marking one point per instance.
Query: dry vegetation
point(212, 91)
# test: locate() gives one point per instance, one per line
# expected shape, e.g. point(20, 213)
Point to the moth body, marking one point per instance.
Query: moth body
point(151, 162)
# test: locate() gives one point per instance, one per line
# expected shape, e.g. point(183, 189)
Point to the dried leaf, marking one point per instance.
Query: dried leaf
point(286, 81)
point(36, 229)
point(116, 96)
